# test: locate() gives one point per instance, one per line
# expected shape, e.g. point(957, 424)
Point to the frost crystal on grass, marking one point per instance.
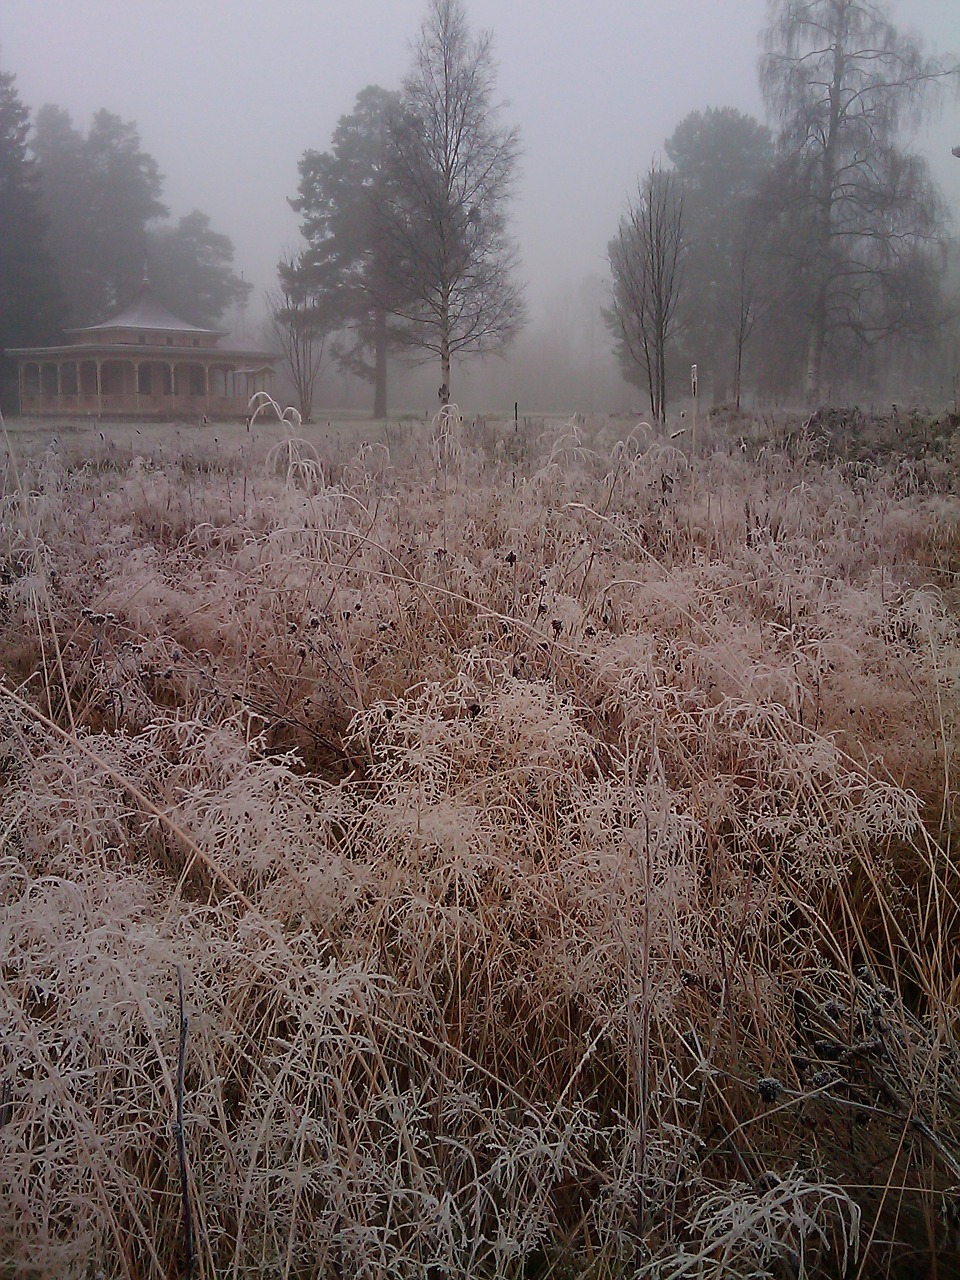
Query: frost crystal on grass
point(518, 831)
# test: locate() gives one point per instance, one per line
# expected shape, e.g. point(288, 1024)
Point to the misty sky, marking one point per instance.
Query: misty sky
point(227, 94)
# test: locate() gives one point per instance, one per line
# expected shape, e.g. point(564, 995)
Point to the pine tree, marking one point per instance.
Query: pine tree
point(343, 270)
point(29, 293)
point(191, 270)
point(101, 197)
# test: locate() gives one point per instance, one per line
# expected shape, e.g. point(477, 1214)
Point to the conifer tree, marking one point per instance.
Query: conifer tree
point(343, 270)
point(29, 292)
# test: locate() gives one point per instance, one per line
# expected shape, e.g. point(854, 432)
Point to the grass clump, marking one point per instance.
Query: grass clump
point(555, 854)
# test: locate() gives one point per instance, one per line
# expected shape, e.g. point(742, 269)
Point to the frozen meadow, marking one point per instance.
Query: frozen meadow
point(480, 851)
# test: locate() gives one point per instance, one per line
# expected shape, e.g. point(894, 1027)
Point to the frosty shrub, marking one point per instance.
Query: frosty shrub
point(559, 876)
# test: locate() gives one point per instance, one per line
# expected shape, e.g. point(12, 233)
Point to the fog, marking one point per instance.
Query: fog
point(227, 95)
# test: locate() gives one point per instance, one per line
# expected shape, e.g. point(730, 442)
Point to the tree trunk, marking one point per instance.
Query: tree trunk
point(817, 340)
point(445, 394)
point(380, 364)
point(815, 346)
point(653, 377)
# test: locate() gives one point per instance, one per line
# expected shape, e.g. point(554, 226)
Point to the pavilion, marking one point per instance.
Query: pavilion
point(144, 362)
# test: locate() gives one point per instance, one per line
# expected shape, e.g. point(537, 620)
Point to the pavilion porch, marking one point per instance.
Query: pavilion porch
point(138, 386)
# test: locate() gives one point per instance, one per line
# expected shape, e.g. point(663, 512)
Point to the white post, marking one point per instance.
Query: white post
point(693, 447)
point(694, 388)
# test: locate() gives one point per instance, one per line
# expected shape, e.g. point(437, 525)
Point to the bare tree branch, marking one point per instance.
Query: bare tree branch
point(646, 259)
point(845, 84)
point(300, 325)
point(451, 168)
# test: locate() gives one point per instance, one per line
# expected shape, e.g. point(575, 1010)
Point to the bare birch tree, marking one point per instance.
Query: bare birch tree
point(444, 208)
point(646, 261)
point(300, 326)
point(845, 83)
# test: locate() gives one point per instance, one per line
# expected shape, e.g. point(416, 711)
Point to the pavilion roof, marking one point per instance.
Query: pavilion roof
point(145, 312)
point(126, 351)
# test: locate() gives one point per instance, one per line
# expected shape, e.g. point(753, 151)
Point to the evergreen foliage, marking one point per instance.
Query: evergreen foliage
point(101, 195)
point(191, 269)
point(343, 270)
point(30, 303)
point(724, 161)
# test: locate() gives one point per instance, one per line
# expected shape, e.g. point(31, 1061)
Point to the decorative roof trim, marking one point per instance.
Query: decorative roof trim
point(132, 351)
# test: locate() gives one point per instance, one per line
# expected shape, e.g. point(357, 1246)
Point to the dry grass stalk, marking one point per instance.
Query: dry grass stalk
point(558, 872)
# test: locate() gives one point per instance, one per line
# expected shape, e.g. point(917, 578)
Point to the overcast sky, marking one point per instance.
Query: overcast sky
point(227, 94)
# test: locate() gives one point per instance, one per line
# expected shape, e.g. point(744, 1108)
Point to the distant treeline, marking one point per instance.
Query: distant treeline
point(813, 258)
point(83, 220)
point(808, 259)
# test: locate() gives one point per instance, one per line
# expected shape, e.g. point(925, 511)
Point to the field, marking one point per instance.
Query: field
point(472, 851)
